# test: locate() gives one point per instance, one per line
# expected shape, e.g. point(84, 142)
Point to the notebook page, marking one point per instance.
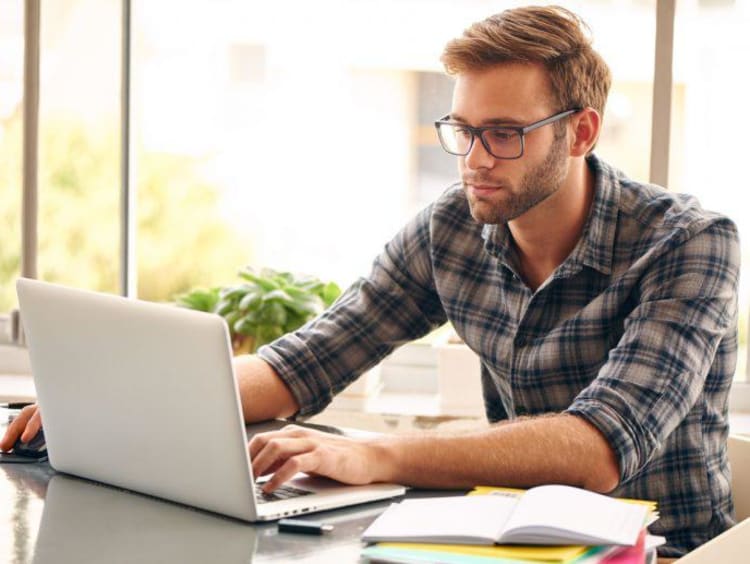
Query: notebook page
point(563, 512)
point(468, 519)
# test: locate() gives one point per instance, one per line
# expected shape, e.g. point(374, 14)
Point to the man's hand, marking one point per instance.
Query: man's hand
point(25, 425)
point(296, 449)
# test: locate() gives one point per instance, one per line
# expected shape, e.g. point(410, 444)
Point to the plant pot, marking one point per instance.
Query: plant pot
point(243, 344)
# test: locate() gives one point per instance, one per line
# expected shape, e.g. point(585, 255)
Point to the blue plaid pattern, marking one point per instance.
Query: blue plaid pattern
point(635, 332)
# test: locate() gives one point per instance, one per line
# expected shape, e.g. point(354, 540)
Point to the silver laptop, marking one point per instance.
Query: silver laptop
point(143, 396)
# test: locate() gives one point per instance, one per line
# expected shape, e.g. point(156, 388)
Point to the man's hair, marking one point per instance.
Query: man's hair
point(548, 35)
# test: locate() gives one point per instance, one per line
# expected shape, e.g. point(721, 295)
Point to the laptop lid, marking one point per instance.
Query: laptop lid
point(138, 395)
point(143, 396)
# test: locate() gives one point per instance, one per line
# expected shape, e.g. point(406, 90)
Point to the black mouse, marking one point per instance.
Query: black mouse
point(35, 448)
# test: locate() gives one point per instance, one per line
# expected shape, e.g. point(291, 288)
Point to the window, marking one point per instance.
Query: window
point(299, 136)
point(710, 124)
point(79, 155)
point(284, 149)
point(11, 91)
point(78, 144)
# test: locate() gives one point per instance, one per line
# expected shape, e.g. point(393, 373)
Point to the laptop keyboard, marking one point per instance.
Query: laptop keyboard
point(284, 492)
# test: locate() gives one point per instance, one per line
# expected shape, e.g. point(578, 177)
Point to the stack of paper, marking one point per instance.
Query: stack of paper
point(551, 524)
point(466, 554)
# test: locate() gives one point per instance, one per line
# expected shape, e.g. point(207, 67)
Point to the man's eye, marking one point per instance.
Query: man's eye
point(502, 135)
point(462, 132)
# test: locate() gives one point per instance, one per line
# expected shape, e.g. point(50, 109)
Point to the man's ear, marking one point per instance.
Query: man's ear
point(586, 126)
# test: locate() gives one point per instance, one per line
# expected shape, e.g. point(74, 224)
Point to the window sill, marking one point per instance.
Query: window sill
point(16, 383)
point(428, 406)
point(17, 388)
point(739, 397)
point(405, 403)
point(14, 359)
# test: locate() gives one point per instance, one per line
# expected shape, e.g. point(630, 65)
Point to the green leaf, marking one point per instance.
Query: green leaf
point(307, 306)
point(236, 292)
point(224, 307)
point(232, 318)
point(278, 296)
point(199, 299)
point(250, 300)
point(245, 326)
point(268, 333)
point(313, 286)
point(281, 278)
point(294, 321)
point(273, 314)
point(265, 283)
point(330, 293)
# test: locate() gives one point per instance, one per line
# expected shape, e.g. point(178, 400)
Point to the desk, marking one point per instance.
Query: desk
point(50, 517)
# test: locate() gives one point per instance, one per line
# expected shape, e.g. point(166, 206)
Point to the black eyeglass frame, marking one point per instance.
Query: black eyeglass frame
point(479, 132)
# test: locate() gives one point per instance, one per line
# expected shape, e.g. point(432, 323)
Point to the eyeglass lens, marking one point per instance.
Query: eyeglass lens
point(501, 142)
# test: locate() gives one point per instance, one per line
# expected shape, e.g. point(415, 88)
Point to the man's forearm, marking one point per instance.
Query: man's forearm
point(562, 449)
point(262, 393)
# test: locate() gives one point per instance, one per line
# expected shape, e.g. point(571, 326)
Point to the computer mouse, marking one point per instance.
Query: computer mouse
point(35, 448)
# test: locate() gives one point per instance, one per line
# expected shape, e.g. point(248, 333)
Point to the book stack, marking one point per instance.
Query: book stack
point(412, 367)
point(550, 524)
point(357, 394)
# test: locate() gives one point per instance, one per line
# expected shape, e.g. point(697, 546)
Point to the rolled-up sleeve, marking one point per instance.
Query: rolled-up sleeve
point(686, 303)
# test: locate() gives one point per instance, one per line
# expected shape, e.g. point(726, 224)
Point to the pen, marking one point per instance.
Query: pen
point(15, 404)
point(305, 527)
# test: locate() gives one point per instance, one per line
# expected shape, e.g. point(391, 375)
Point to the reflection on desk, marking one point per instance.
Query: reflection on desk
point(49, 517)
point(87, 522)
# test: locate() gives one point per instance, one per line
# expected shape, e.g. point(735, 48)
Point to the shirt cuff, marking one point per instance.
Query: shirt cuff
point(299, 369)
point(618, 432)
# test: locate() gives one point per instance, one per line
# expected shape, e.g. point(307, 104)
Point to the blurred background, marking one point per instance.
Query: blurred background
point(298, 135)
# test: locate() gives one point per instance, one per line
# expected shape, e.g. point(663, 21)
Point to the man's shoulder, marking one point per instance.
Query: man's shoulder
point(655, 207)
point(657, 211)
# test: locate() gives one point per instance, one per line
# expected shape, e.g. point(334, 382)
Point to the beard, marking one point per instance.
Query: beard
point(535, 186)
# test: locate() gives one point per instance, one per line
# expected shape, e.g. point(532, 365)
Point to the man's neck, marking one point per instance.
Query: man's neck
point(546, 234)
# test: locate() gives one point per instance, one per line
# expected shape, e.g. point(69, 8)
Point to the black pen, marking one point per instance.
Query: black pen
point(304, 527)
point(16, 404)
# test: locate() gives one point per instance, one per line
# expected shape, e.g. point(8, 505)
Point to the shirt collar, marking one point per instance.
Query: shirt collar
point(595, 247)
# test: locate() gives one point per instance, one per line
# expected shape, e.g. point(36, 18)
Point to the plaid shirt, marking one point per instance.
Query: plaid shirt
point(635, 332)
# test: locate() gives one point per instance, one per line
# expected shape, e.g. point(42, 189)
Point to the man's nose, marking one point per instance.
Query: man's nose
point(478, 156)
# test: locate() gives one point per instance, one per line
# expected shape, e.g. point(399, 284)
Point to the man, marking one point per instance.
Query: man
point(604, 311)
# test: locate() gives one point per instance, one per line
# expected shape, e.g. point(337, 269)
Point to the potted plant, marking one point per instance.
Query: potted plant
point(264, 306)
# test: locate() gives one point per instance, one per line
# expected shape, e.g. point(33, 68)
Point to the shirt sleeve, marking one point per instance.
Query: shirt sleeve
point(686, 305)
point(395, 304)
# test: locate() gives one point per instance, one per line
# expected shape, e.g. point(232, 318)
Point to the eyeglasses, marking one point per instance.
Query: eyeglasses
point(502, 142)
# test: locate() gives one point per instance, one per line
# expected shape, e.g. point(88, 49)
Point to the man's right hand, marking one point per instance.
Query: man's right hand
point(25, 425)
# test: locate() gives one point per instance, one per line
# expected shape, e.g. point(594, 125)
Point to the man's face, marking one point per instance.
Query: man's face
point(500, 190)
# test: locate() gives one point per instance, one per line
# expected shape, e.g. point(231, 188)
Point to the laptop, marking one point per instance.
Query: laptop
point(143, 396)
